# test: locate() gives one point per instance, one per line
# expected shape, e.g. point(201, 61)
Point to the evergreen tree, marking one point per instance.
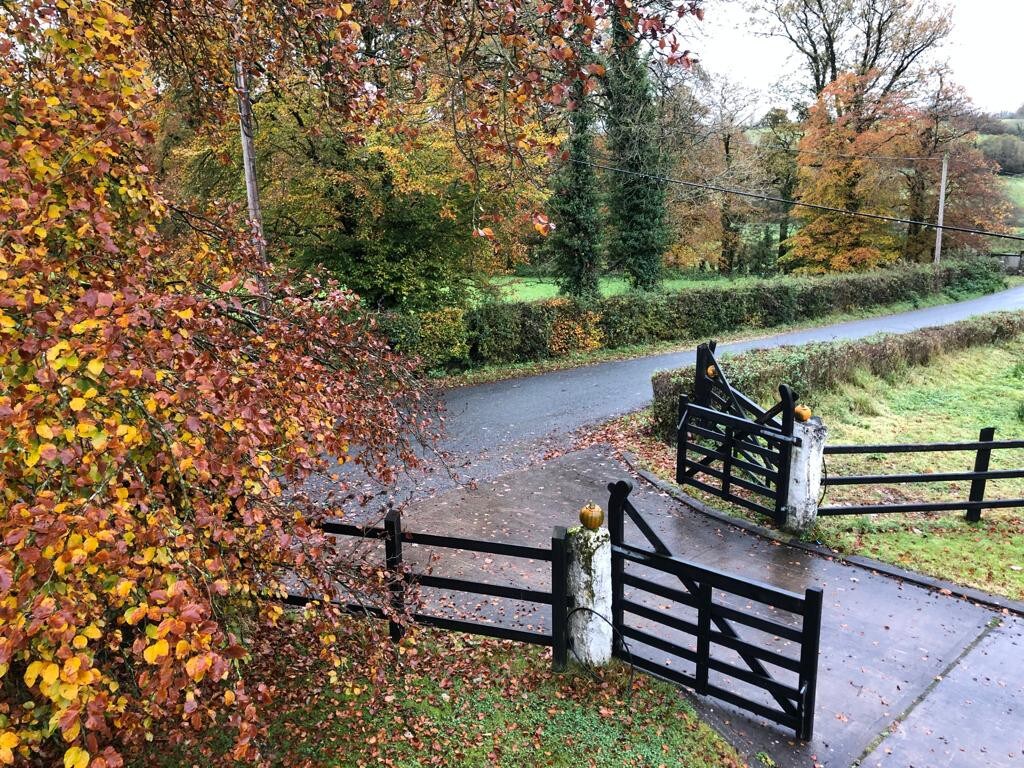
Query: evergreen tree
point(636, 203)
point(573, 208)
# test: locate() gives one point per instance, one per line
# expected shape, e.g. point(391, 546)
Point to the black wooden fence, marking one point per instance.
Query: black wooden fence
point(699, 635)
point(732, 448)
point(979, 477)
point(395, 538)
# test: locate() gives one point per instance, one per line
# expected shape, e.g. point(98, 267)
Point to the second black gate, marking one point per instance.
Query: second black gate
point(732, 448)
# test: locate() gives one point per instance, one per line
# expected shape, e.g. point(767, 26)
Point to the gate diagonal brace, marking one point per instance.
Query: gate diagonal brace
point(723, 625)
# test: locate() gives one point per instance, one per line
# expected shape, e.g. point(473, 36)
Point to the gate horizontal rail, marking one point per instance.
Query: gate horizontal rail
point(983, 450)
point(394, 538)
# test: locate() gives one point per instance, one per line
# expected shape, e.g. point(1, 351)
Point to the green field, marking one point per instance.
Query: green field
point(947, 401)
point(539, 288)
point(1015, 190)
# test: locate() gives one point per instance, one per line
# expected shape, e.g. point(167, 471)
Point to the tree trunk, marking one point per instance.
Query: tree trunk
point(252, 190)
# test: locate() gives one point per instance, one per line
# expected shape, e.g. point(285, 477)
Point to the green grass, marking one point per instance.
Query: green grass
point(946, 401)
point(1014, 186)
point(539, 288)
point(466, 701)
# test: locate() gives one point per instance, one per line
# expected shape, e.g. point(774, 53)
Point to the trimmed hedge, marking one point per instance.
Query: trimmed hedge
point(822, 366)
point(498, 333)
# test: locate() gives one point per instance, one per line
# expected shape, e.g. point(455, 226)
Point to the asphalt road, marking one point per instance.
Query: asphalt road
point(491, 418)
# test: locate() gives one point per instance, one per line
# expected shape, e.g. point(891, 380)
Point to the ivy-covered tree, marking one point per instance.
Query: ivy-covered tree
point(574, 208)
point(636, 200)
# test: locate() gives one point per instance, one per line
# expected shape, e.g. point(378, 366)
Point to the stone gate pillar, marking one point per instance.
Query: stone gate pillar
point(805, 475)
point(590, 589)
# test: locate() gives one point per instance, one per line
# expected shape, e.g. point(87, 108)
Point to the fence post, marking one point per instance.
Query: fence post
point(681, 425)
point(981, 461)
point(559, 599)
point(393, 563)
point(703, 636)
point(616, 528)
point(590, 592)
point(809, 646)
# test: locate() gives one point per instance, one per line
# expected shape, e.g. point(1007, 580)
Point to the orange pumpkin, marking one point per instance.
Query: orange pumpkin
point(591, 516)
point(712, 371)
point(802, 412)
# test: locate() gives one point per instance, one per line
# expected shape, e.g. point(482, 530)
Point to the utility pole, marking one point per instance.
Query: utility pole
point(942, 209)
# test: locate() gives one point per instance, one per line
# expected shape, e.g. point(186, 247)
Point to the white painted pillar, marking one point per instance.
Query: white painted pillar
point(805, 475)
point(590, 595)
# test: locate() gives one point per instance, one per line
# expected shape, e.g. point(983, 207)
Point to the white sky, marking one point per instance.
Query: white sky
point(985, 50)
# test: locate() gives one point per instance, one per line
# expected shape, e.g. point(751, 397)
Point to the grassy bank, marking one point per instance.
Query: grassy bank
point(458, 700)
point(947, 400)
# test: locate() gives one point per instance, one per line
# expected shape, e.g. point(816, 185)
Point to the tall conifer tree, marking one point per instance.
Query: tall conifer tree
point(573, 207)
point(636, 202)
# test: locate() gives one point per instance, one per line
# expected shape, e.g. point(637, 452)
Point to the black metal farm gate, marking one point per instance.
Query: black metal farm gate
point(747, 643)
point(731, 447)
point(757, 673)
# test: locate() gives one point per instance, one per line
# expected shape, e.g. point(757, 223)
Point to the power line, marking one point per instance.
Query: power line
point(773, 199)
point(857, 157)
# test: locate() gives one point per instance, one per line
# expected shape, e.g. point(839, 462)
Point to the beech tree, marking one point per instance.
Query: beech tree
point(839, 167)
point(160, 392)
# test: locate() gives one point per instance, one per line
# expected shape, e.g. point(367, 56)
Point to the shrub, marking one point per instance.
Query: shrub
point(812, 369)
point(635, 318)
point(494, 331)
point(501, 333)
point(575, 328)
point(437, 337)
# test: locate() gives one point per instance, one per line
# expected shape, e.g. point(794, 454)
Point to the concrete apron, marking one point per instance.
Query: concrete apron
point(948, 670)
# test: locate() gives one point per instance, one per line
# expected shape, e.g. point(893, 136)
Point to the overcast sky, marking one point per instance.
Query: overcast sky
point(985, 50)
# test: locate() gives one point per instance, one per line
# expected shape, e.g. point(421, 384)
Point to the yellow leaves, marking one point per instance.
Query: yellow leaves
point(8, 741)
point(95, 366)
point(46, 670)
point(76, 757)
point(44, 431)
point(77, 404)
point(155, 652)
point(83, 327)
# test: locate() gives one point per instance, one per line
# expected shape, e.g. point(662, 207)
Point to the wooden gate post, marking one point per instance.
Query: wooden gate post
point(981, 462)
point(616, 528)
point(559, 599)
point(393, 563)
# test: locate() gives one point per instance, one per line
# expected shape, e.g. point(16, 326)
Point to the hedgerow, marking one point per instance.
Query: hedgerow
point(812, 369)
point(499, 333)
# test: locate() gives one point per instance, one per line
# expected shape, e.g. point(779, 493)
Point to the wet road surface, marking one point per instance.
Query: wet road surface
point(495, 417)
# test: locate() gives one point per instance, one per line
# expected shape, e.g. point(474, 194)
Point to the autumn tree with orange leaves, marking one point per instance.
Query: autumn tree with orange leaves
point(162, 392)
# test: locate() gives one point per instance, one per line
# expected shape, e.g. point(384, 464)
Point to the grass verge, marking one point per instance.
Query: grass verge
point(458, 700)
point(540, 288)
point(946, 401)
point(492, 373)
